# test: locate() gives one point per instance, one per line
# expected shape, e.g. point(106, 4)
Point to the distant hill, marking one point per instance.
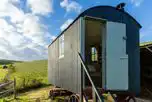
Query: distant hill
point(32, 66)
point(4, 61)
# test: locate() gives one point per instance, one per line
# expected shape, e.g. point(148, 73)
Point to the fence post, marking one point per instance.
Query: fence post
point(14, 88)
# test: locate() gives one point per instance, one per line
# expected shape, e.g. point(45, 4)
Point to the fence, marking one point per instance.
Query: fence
point(11, 89)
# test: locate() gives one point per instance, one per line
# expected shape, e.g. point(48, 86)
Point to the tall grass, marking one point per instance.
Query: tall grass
point(3, 73)
point(28, 80)
point(28, 74)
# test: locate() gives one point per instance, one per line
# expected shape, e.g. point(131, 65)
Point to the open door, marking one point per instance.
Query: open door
point(116, 71)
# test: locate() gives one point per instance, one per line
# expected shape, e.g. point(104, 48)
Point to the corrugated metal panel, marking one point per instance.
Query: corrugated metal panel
point(64, 72)
point(53, 64)
point(71, 57)
point(56, 67)
point(68, 59)
point(49, 64)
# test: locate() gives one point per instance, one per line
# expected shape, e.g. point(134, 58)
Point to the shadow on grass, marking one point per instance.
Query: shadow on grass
point(25, 100)
point(9, 98)
point(33, 88)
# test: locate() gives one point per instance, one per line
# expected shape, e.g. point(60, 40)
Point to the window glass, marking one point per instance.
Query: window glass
point(94, 56)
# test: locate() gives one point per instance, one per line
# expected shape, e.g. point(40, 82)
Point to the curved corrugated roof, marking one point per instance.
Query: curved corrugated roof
point(96, 7)
point(111, 8)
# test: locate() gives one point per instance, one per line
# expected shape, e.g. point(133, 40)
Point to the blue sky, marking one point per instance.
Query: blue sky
point(139, 9)
point(27, 27)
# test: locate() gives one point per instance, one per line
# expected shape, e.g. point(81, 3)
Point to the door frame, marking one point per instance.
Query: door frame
point(82, 45)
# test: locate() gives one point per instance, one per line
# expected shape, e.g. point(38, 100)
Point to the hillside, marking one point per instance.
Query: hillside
point(32, 66)
point(28, 74)
point(4, 61)
point(31, 80)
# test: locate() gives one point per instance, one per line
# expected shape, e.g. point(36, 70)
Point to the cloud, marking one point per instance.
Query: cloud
point(71, 6)
point(53, 37)
point(8, 9)
point(22, 34)
point(136, 2)
point(41, 7)
point(16, 45)
point(66, 24)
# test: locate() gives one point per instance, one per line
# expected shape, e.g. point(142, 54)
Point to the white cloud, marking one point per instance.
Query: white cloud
point(23, 36)
point(31, 28)
point(137, 2)
point(71, 6)
point(5, 26)
point(35, 30)
point(41, 6)
point(66, 24)
point(53, 37)
point(7, 8)
point(8, 32)
point(23, 46)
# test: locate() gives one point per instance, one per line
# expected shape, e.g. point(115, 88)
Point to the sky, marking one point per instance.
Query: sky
point(27, 27)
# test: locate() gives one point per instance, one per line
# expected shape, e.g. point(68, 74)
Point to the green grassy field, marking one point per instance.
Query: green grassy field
point(2, 74)
point(33, 66)
point(28, 74)
point(40, 94)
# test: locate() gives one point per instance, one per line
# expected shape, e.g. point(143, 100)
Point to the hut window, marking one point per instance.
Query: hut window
point(94, 55)
point(61, 46)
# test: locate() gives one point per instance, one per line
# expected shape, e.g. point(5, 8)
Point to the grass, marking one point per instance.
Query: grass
point(29, 75)
point(40, 94)
point(33, 95)
point(33, 66)
point(3, 73)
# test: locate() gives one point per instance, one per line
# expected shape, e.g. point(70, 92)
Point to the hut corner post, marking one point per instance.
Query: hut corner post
point(82, 51)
